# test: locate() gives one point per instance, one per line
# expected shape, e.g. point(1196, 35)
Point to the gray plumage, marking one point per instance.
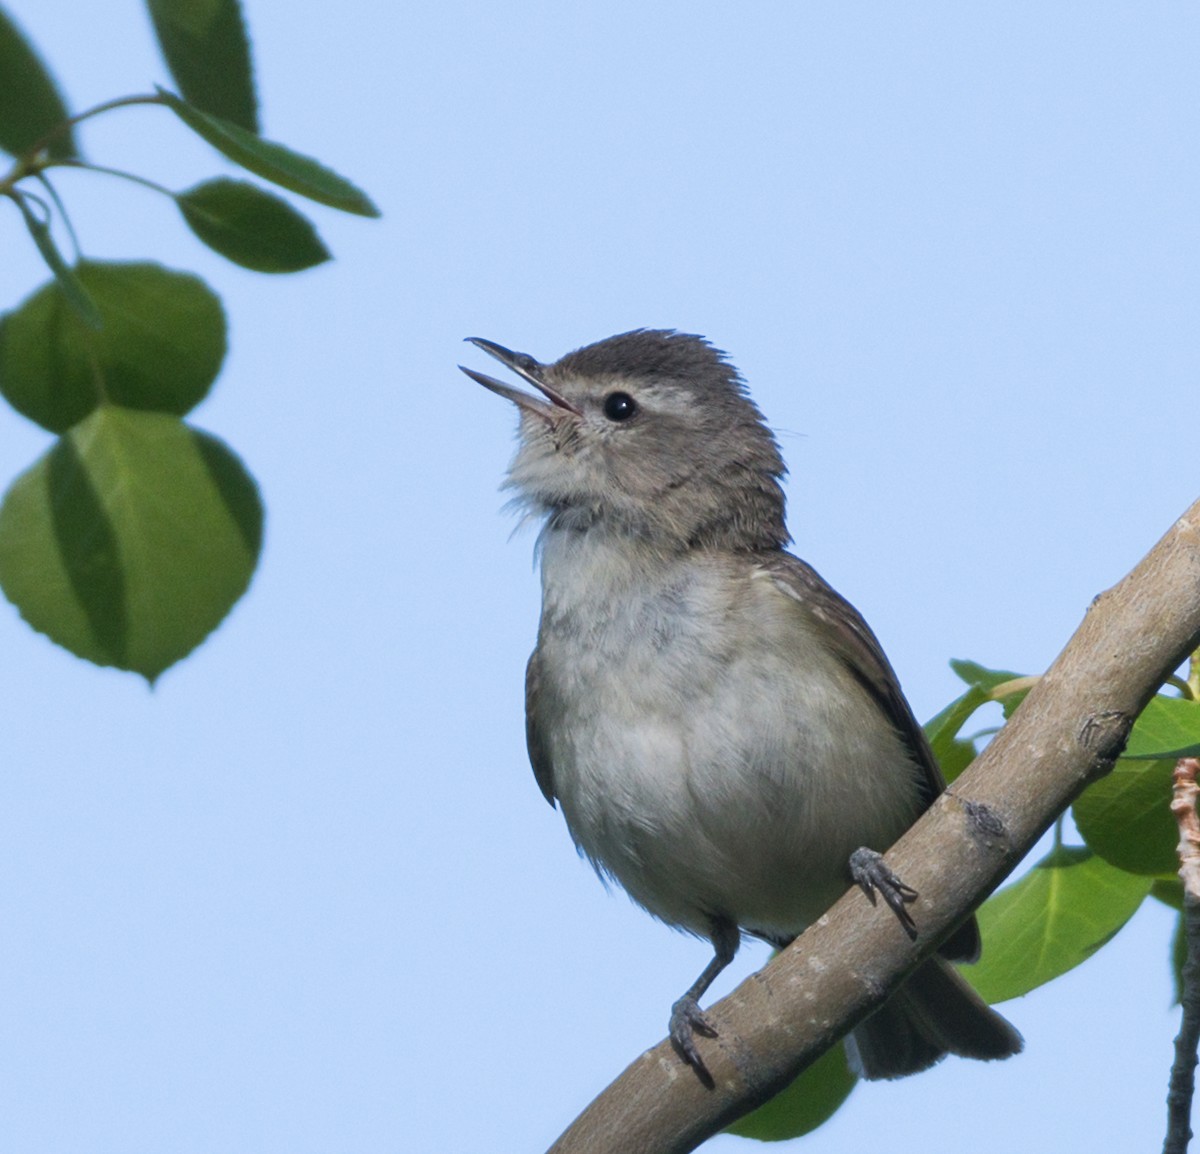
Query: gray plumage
point(720, 728)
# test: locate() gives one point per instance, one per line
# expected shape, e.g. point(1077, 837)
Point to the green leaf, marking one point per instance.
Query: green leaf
point(250, 227)
point(160, 348)
point(1167, 727)
point(130, 540)
point(946, 725)
point(74, 295)
point(30, 104)
point(1126, 818)
point(954, 755)
point(1051, 920)
point(996, 683)
point(807, 1103)
point(985, 685)
point(1169, 891)
point(205, 46)
point(980, 675)
point(273, 162)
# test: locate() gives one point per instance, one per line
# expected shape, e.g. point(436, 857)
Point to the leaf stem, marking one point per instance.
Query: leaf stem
point(1016, 685)
point(73, 291)
point(105, 170)
point(107, 106)
point(44, 181)
point(33, 160)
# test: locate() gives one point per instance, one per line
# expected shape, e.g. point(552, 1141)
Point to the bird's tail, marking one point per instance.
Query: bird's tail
point(933, 1014)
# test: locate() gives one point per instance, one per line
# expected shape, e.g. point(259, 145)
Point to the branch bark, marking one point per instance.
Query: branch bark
point(1067, 733)
point(1182, 1084)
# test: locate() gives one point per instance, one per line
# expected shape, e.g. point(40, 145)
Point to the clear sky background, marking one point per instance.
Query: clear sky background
point(305, 896)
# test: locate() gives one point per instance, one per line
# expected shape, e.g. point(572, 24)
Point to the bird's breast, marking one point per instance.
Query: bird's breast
point(708, 751)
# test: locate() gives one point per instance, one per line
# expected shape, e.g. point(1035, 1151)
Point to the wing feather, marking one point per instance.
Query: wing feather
point(859, 649)
point(535, 741)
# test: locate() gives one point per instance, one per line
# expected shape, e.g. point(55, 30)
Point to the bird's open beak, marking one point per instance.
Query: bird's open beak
point(526, 367)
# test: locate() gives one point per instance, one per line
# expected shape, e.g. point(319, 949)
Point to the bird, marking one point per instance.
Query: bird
point(722, 731)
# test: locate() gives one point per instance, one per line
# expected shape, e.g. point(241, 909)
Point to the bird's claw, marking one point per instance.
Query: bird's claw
point(687, 1020)
point(870, 873)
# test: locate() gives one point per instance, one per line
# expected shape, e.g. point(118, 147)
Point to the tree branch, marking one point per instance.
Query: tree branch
point(1183, 1070)
point(1066, 733)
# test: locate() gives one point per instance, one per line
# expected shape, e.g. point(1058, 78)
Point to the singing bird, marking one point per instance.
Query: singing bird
point(721, 729)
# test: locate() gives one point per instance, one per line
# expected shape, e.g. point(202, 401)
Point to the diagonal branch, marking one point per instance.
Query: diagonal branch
point(1068, 732)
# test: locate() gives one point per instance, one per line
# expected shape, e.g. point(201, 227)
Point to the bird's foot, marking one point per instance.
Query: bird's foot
point(871, 873)
point(688, 1020)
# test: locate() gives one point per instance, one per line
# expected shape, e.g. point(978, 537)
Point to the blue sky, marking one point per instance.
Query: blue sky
point(305, 896)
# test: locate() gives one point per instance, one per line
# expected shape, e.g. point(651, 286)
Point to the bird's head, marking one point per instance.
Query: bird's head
point(650, 432)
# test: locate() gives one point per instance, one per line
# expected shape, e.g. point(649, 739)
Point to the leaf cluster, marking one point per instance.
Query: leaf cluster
point(131, 538)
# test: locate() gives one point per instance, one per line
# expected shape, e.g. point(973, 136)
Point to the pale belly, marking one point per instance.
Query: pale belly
point(719, 763)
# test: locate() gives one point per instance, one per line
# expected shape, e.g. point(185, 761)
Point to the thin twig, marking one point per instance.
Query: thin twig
point(72, 121)
point(1183, 1070)
point(35, 158)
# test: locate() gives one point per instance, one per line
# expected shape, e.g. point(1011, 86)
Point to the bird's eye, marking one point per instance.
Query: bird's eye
point(619, 406)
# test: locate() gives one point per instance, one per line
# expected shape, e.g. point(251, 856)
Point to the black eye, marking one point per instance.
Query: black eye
point(619, 406)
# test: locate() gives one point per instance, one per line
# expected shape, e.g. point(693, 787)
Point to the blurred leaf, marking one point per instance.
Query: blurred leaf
point(980, 675)
point(205, 46)
point(130, 540)
point(74, 295)
point(30, 104)
point(250, 227)
point(954, 756)
point(990, 680)
point(1167, 727)
point(953, 753)
point(1126, 817)
point(160, 348)
point(943, 729)
point(272, 162)
point(809, 1101)
point(1056, 916)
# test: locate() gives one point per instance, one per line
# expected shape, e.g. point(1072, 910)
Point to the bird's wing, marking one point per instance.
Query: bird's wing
point(861, 653)
point(539, 754)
